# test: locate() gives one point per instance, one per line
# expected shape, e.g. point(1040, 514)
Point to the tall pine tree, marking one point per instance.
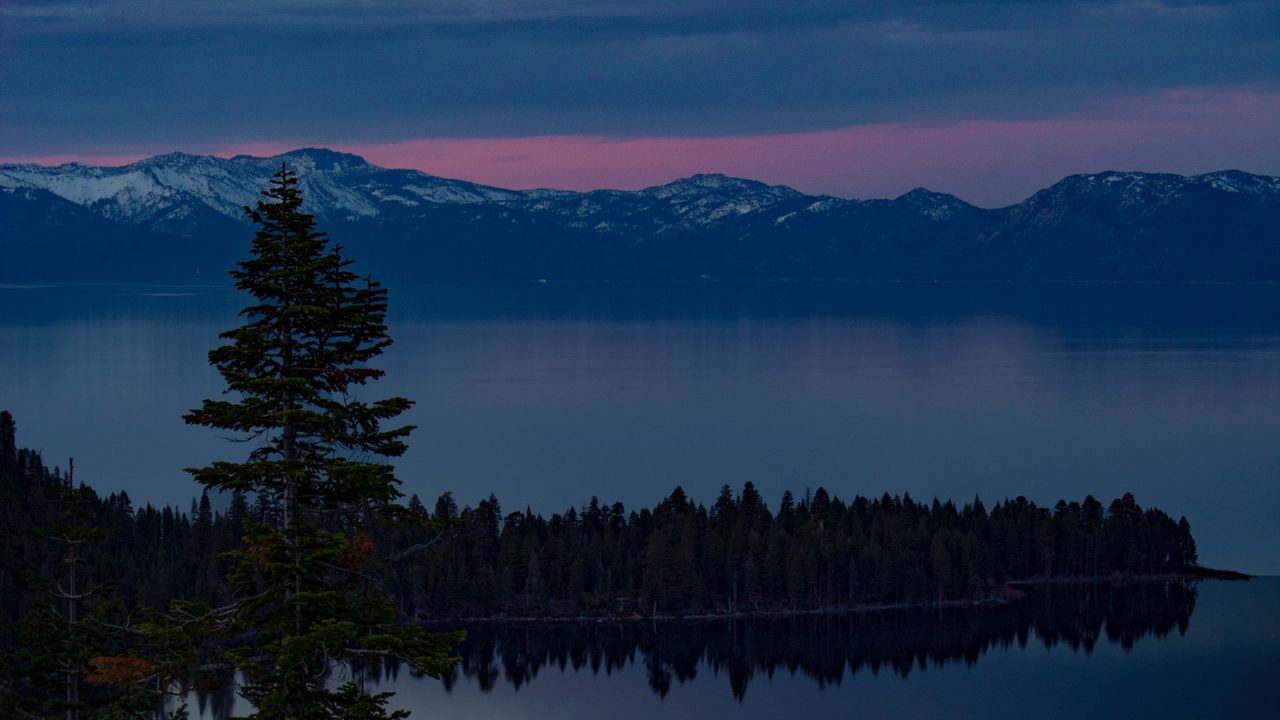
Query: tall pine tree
point(307, 601)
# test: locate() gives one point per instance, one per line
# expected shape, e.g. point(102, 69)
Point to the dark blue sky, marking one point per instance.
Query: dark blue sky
point(986, 99)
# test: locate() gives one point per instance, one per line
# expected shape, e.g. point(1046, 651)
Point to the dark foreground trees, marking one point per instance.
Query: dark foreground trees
point(79, 572)
point(307, 600)
point(67, 625)
point(814, 550)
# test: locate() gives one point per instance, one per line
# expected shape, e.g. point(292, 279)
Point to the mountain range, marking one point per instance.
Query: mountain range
point(180, 217)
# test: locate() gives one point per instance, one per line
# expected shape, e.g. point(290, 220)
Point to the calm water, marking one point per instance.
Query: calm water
point(1212, 650)
point(548, 395)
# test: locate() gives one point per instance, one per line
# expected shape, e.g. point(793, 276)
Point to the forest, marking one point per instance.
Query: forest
point(679, 557)
point(314, 559)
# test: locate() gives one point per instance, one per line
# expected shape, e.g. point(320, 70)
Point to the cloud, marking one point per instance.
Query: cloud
point(988, 162)
point(112, 77)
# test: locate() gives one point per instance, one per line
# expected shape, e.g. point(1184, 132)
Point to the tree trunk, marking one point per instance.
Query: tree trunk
point(73, 675)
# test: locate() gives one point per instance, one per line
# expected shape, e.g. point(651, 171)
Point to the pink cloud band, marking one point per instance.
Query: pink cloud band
point(988, 162)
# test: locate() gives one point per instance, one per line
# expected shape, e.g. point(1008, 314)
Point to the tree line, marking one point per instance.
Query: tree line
point(815, 551)
point(678, 557)
point(142, 557)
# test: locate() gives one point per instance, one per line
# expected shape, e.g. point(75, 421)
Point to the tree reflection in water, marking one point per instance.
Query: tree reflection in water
point(826, 646)
point(822, 646)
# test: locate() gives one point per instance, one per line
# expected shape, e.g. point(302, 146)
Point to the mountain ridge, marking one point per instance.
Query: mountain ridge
point(187, 210)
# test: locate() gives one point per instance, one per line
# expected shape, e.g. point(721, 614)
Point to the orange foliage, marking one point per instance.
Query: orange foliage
point(358, 549)
point(260, 551)
point(117, 670)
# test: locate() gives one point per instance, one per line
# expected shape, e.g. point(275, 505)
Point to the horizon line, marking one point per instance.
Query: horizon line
point(121, 161)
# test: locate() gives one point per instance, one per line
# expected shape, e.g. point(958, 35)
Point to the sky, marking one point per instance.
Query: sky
point(986, 100)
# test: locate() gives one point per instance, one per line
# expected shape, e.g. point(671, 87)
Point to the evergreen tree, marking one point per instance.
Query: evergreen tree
point(8, 442)
point(306, 599)
point(66, 630)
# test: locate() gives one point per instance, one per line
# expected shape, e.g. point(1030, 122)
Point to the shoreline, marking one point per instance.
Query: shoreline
point(1007, 593)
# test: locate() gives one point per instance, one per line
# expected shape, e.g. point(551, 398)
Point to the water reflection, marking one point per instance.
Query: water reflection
point(215, 703)
point(826, 647)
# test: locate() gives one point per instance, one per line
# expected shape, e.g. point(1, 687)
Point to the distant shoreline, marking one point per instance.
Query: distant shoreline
point(179, 216)
point(481, 284)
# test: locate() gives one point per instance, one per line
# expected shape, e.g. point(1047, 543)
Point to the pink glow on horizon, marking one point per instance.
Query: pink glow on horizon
point(102, 160)
point(987, 162)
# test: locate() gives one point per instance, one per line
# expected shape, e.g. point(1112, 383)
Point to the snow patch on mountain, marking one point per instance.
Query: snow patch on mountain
point(938, 207)
point(1234, 181)
point(173, 190)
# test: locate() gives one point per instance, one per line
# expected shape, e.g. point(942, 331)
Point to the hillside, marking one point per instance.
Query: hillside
point(179, 217)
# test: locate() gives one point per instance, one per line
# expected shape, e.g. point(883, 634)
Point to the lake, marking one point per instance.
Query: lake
point(547, 395)
point(1210, 649)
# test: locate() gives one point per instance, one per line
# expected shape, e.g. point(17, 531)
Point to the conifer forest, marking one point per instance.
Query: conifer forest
point(305, 554)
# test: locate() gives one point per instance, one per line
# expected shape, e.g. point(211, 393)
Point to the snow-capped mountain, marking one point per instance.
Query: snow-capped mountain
point(335, 185)
point(340, 186)
point(175, 215)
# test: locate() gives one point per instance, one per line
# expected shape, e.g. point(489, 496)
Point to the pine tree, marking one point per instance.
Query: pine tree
point(66, 630)
point(306, 596)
